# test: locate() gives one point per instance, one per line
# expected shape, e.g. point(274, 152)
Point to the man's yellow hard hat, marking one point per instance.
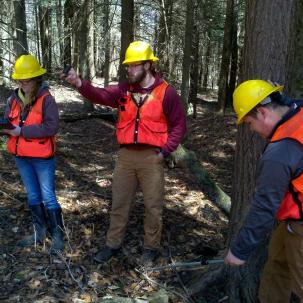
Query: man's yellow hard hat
point(139, 51)
point(249, 94)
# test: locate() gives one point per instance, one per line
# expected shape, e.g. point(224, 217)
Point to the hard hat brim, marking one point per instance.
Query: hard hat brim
point(154, 59)
point(38, 73)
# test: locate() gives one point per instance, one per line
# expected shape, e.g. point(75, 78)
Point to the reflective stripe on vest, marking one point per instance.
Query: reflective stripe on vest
point(292, 203)
point(30, 147)
point(145, 123)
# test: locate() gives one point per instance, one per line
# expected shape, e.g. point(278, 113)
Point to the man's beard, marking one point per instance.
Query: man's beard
point(138, 78)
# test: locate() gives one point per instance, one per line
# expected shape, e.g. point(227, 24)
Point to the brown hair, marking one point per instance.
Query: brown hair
point(34, 93)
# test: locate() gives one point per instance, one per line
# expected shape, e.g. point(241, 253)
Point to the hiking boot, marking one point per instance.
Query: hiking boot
point(106, 254)
point(149, 256)
point(56, 228)
point(39, 224)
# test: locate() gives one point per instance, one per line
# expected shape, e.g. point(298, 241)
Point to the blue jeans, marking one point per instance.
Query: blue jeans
point(38, 176)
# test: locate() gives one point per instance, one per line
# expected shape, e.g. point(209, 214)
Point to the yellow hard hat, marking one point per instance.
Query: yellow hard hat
point(139, 51)
point(249, 94)
point(27, 67)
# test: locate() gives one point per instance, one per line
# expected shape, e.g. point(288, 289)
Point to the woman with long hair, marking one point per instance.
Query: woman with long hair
point(33, 112)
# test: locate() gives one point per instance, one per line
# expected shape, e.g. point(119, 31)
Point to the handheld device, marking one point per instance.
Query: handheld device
point(66, 69)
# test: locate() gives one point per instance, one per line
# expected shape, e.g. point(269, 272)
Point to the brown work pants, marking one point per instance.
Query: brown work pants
point(283, 272)
point(133, 167)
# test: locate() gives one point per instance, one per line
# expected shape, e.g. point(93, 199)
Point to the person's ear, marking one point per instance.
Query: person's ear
point(147, 65)
point(263, 111)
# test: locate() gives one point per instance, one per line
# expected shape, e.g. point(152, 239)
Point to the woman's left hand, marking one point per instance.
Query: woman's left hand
point(13, 132)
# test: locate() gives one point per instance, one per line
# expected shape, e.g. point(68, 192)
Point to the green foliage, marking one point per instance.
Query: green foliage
point(3, 141)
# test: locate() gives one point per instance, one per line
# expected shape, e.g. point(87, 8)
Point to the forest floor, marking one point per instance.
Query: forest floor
point(193, 226)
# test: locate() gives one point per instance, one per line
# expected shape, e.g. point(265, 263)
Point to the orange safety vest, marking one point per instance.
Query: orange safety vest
point(144, 123)
point(30, 147)
point(292, 203)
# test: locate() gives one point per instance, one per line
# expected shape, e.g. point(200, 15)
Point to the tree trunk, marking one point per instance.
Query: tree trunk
point(60, 30)
point(268, 54)
point(21, 46)
point(127, 32)
point(69, 13)
point(137, 20)
point(201, 65)
point(194, 74)
point(297, 90)
point(164, 34)
point(86, 45)
point(45, 35)
point(106, 29)
point(186, 64)
point(90, 40)
point(37, 33)
point(226, 56)
point(234, 57)
point(206, 62)
point(6, 40)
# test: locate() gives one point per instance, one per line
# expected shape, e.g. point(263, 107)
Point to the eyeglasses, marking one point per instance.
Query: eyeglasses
point(265, 101)
point(133, 65)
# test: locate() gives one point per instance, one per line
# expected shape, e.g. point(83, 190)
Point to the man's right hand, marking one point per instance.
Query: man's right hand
point(232, 260)
point(72, 78)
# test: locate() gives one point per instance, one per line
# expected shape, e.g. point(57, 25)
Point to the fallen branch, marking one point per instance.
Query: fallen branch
point(109, 116)
point(215, 194)
point(151, 281)
point(11, 197)
point(61, 257)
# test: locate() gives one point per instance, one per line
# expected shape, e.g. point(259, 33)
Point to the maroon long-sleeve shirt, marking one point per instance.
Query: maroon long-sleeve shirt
point(172, 107)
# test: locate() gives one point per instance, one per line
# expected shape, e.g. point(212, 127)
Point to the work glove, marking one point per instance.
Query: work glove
point(15, 132)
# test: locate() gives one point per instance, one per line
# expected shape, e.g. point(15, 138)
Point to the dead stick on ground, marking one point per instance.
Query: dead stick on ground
point(45, 274)
point(69, 270)
point(176, 272)
point(65, 231)
point(11, 197)
point(151, 281)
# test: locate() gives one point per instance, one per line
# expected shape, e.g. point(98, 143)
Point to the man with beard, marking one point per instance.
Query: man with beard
point(151, 125)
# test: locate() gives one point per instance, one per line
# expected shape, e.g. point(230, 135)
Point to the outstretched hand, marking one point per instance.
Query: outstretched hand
point(72, 78)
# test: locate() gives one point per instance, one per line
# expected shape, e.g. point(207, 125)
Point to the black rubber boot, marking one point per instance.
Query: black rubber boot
point(39, 223)
point(56, 228)
point(106, 254)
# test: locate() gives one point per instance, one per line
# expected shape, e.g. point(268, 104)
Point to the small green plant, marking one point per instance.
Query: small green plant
point(3, 143)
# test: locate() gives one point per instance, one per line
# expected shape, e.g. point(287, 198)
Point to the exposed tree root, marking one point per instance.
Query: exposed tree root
point(200, 283)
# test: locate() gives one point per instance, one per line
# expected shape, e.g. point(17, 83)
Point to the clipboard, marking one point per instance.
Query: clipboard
point(6, 124)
